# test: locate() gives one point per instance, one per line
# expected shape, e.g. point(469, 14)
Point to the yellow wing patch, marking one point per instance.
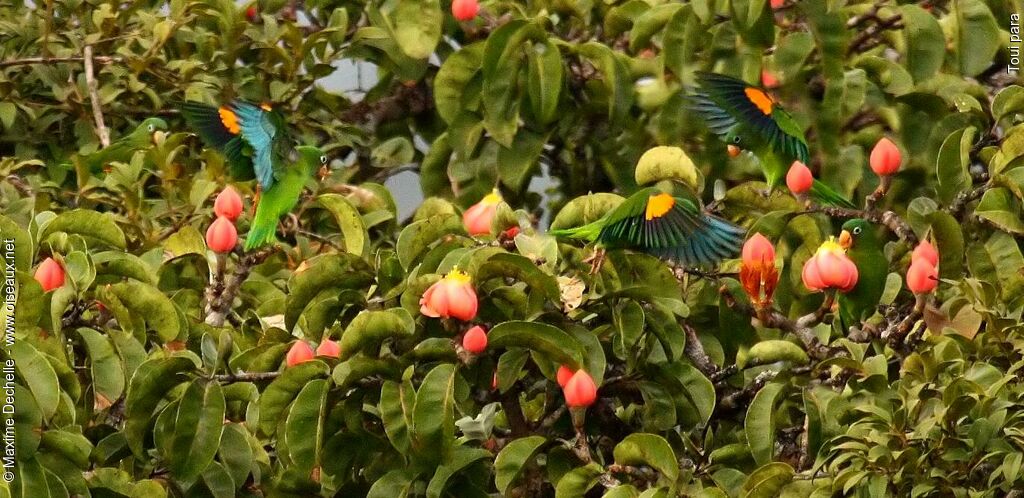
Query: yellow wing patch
point(757, 97)
point(658, 205)
point(229, 119)
point(266, 107)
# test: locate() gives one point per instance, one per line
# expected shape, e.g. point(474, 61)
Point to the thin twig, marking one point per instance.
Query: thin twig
point(99, 59)
point(246, 377)
point(94, 97)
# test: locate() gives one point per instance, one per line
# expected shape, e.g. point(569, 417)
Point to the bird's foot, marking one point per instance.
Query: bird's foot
point(596, 260)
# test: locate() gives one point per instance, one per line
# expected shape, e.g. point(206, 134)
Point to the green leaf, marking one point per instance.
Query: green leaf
point(649, 23)
point(976, 35)
point(235, 452)
point(585, 209)
point(950, 240)
point(38, 375)
point(517, 163)
point(505, 265)
point(578, 481)
point(615, 75)
point(548, 340)
point(304, 425)
point(330, 271)
point(452, 80)
point(91, 225)
point(998, 259)
point(151, 382)
point(771, 351)
point(397, 401)
point(767, 481)
point(696, 389)
point(197, 430)
point(152, 306)
point(544, 80)
point(509, 463)
point(370, 328)
point(184, 242)
point(418, 27)
point(414, 240)
point(926, 45)
point(1009, 100)
point(397, 483)
point(759, 423)
point(349, 220)
point(22, 244)
point(502, 65)
point(666, 163)
point(952, 163)
point(461, 457)
point(1001, 208)
point(648, 449)
point(681, 40)
point(283, 390)
point(433, 427)
point(107, 375)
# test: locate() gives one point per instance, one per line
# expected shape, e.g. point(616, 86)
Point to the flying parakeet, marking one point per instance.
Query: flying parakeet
point(865, 249)
point(668, 227)
point(746, 117)
point(150, 132)
point(281, 197)
point(254, 138)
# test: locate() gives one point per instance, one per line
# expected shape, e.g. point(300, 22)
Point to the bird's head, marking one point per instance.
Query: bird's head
point(734, 144)
point(311, 156)
point(853, 231)
point(156, 129)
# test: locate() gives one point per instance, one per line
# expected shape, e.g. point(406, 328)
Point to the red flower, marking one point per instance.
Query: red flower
point(475, 340)
point(451, 297)
point(328, 347)
point(830, 268)
point(564, 374)
point(222, 236)
point(228, 204)
point(768, 79)
point(925, 251)
point(777, 3)
point(799, 179)
point(922, 277)
point(465, 10)
point(885, 158)
point(477, 218)
point(580, 391)
point(758, 273)
point(299, 353)
point(49, 274)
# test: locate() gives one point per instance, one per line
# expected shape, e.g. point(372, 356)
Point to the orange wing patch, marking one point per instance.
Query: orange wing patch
point(757, 97)
point(658, 205)
point(230, 120)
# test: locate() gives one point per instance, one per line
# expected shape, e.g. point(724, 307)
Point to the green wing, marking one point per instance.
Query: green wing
point(670, 228)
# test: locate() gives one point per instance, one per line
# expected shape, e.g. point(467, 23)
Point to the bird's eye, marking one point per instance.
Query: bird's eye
point(150, 127)
point(856, 230)
point(323, 159)
point(736, 139)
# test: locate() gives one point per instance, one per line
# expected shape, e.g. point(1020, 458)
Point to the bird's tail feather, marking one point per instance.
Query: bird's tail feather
point(588, 232)
point(823, 194)
point(713, 240)
point(260, 235)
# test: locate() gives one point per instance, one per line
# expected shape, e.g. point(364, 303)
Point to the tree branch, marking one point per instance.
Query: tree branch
point(98, 59)
point(94, 97)
point(219, 307)
point(889, 219)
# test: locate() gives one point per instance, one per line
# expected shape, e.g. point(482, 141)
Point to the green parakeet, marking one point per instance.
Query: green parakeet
point(150, 132)
point(281, 197)
point(746, 117)
point(668, 227)
point(254, 138)
point(865, 249)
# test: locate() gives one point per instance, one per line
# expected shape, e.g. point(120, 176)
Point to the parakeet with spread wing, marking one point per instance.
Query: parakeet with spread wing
point(746, 117)
point(668, 227)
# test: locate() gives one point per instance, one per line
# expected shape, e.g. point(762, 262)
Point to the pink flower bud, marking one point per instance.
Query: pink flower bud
point(475, 340)
point(49, 274)
point(477, 218)
point(328, 347)
point(885, 158)
point(799, 179)
point(465, 10)
point(925, 251)
point(922, 277)
point(228, 204)
point(299, 353)
point(580, 391)
point(222, 236)
point(564, 374)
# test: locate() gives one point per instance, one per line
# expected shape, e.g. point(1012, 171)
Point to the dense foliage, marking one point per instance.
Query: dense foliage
point(153, 361)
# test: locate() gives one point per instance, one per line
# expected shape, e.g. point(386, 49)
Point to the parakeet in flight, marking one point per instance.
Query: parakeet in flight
point(150, 132)
point(668, 227)
point(746, 117)
point(278, 200)
point(254, 138)
point(865, 249)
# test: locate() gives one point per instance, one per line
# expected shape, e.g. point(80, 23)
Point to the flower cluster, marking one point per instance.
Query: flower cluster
point(222, 236)
point(923, 274)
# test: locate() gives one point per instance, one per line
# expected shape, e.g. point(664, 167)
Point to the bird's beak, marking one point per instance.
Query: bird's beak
point(733, 150)
point(158, 137)
point(324, 172)
point(845, 240)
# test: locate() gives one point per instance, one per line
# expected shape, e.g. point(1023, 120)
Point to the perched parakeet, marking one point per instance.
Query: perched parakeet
point(150, 132)
point(254, 138)
point(668, 227)
point(865, 249)
point(746, 117)
point(281, 197)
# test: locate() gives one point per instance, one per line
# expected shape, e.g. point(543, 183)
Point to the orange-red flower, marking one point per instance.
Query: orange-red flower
point(580, 391)
point(799, 178)
point(758, 273)
point(475, 340)
point(885, 158)
point(830, 268)
point(451, 297)
point(222, 236)
point(300, 352)
point(922, 277)
point(477, 218)
point(228, 204)
point(925, 251)
point(768, 79)
point(328, 347)
point(465, 10)
point(564, 374)
point(49, 274)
